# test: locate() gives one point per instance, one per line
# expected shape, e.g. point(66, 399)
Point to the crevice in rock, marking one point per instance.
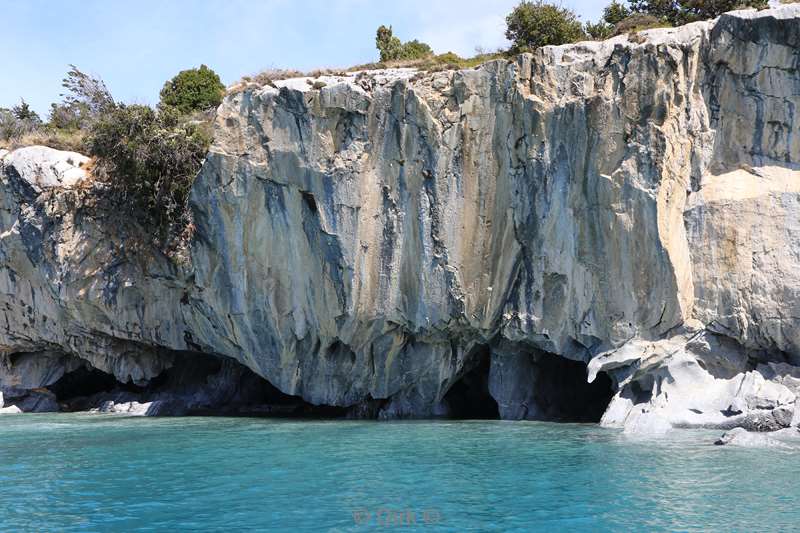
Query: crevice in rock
point(469, 397)
point(309, 200)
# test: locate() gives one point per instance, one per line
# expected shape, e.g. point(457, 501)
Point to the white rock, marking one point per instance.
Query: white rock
point(127, 408)
point(647, 423)
point(748, 439)
point(46, 167)
point(796, 415)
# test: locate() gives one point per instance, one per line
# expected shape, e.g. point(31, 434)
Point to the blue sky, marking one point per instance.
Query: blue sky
point(137, 45)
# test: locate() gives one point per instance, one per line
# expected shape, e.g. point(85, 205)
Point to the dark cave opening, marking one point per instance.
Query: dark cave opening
point(196, 384)
point(85, 381)
point(469, 398)
point(530, 386)
point(309, 200)
point(562, 393)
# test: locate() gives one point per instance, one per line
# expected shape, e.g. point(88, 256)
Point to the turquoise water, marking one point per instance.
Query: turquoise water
point(107, 473)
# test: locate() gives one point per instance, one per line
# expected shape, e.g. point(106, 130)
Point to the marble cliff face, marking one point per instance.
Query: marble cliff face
point(406, 244)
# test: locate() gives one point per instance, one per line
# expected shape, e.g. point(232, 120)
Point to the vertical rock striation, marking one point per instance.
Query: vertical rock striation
point(626, 208)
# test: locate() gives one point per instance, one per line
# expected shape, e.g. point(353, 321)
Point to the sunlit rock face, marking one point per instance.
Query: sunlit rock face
point(629, 204)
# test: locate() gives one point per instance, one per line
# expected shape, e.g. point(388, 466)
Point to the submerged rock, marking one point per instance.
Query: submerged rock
point(407, 244)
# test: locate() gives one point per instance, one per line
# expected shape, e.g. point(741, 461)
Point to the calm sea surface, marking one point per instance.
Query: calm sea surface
point(73, 472)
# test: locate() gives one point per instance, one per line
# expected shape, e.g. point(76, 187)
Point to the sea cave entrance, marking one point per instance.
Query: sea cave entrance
point(469, 397)
point(525, 384)
point(195, 384)
point(563, 394)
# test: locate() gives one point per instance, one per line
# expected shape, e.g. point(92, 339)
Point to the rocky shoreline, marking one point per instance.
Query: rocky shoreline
point(605, 231)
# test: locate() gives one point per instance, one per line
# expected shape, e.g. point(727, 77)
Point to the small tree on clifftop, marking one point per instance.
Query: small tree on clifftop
point(388, 45)
point(85, 99)
point(392, 49)
point(537, 23)
point(196, 89)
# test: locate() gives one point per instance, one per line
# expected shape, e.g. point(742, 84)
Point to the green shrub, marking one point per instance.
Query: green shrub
point(645, 14)
point(415, 50)
point(615, 12)
point(449, 58)
point(387, 44)
point(196, 89)
point(638, 22)
point(148, 160)
point(599, 30)
point(18, 122)
point(537, 23)
point(683, 11)
point(24, 112)
point(87, 97)
point(68, 117)
point(392, 49)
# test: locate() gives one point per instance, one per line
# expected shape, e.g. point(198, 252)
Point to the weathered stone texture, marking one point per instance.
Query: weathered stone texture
point(633, 203)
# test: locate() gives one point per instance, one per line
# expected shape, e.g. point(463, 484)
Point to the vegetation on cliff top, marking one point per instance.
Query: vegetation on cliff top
point(530, 25)
point(538, 23)
point(196, 89)
point(392, 49)
point(535, 24)
point(144, 159)
point(147, 158)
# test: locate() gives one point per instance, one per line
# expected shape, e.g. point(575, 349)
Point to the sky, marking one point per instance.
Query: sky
point(135, 46)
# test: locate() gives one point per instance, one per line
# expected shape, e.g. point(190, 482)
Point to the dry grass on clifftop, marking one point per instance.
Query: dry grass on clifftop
point(72, 141)
point(434, 63)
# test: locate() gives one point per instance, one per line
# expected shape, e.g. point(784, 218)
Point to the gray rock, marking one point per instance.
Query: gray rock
point(602, 202)
point(32, 401)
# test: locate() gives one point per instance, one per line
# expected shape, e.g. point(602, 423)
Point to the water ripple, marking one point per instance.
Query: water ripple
point(107, 473)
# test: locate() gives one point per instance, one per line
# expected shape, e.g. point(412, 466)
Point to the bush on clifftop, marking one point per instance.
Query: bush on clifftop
point(678, 12)
point(145, 160)
point(621, 17)
point(149, 160)
point(196, 89)
point(537, 23)
point(392, 49)
point(18, 121)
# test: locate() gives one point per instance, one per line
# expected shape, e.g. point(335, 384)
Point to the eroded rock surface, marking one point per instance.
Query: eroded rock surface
point(631, 205)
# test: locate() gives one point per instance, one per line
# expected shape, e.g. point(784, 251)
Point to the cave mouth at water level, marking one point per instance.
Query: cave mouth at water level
point(552, 389)
point(557, 391)
point(196, 384)
point(469, 398)
point(563, 393)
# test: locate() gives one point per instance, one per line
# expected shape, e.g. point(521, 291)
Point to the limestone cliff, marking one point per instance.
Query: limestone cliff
point(410, 244)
